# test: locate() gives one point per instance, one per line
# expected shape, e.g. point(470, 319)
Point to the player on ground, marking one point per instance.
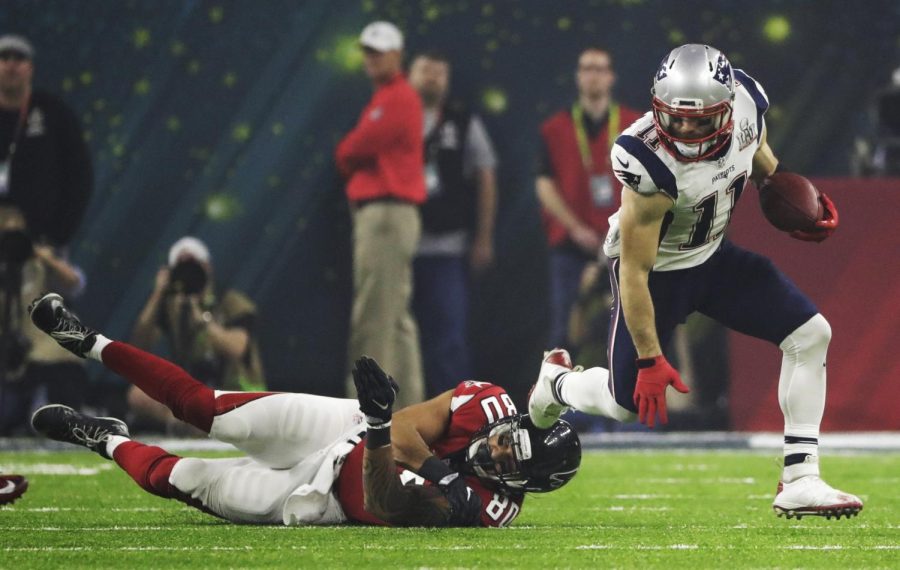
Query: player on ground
point(464, 458)
point(683, 167)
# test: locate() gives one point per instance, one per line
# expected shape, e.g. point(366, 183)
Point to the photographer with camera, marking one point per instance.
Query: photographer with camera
point(32, 364)
point(208, 334)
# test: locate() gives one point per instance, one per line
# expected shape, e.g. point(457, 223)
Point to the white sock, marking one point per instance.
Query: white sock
point(588, 391)
point(113, 442)
point(801, 394)
point(100, 342)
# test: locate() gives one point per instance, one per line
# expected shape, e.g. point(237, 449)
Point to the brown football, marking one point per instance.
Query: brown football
point(790, 202)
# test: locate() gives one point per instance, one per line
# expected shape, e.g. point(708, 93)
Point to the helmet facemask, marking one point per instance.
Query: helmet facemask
point(505, 432)
point(694, 149)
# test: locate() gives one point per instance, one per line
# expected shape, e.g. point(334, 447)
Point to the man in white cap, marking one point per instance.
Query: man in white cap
point(45, 166)
point(209, 334)
point(381, 158)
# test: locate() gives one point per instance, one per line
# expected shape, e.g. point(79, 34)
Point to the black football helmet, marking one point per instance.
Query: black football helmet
point(543, 459)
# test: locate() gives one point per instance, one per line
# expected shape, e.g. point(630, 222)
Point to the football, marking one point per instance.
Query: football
point(790, 202)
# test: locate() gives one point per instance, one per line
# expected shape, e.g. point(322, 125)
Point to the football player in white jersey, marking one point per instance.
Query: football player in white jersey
point(683, 167)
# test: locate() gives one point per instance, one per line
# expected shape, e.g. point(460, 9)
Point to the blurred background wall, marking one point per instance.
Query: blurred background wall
point(219, 119)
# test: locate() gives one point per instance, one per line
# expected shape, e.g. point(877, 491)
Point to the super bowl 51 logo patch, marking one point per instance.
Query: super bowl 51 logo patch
point(746, 133)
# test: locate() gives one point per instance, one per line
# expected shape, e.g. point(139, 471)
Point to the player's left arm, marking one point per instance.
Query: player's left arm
point(764, 160)
point(766, 164)
point(384, 494)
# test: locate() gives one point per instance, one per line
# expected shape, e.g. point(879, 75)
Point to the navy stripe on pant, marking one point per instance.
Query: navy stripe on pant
point(738, 288)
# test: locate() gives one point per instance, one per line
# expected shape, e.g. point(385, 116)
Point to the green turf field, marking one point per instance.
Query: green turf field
point(623, 510)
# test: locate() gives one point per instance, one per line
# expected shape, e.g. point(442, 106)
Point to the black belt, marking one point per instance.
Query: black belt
point(382, 199)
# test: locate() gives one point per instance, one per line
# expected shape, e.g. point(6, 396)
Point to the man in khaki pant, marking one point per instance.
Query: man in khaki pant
point(382, 161)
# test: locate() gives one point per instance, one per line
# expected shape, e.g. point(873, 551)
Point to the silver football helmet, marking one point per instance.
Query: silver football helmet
point(694, 82)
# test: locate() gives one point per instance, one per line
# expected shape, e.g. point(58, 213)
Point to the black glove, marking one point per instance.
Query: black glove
point(465, 504)
point(375, 391)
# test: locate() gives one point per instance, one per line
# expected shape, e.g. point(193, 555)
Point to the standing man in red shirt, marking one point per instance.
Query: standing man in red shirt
point(381, 158)
point(575, 182)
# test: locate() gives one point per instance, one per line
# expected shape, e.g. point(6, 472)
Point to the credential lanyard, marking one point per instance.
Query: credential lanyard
point(23, 113)
point(584, 148)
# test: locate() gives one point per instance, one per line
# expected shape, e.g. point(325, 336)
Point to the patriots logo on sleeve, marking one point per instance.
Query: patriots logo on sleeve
point(630, 179)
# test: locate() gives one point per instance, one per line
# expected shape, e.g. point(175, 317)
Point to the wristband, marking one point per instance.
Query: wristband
point(434, 470)
point(647, 362)
point(378, 436)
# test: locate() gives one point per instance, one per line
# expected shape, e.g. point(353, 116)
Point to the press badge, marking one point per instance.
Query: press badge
point(602, 190)
point(432, 179)
point(4, 178)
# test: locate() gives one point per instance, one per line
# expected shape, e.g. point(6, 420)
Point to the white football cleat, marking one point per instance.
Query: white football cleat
point(812, 496)
point(543, 408)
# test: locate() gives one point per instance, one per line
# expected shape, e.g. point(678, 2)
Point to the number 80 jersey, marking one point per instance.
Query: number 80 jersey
point(704, 193)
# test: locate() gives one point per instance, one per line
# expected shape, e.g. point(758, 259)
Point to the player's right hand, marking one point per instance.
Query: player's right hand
point(654, 376)
point(465, 504)
point(375, 390)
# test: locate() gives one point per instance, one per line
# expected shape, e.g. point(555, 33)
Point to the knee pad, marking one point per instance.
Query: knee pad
point(814, 334)
point(230, 428)
point(188, 474)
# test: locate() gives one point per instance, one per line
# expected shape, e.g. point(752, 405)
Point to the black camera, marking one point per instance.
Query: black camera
point(188, 277)
point(15, 247)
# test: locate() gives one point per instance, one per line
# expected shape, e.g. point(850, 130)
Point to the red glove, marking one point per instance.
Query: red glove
point(654, 376)
point(825, 226)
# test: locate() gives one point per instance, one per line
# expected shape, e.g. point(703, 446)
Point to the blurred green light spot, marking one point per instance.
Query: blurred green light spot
point(142, 86)
point(86, 78)
point(676, 36)
point(777, 29)
point(193, 67)
point(494, 100)
point(277, 129)
point(241, 132)
point(141, 38)
point(216, 13)
point(564, 23)
point(346, 55)
point(177, 48)
point(99, 104)
point(173, 123)
point(118, 149)
point(273, 180)
point(432, 13)
point(229, 79)
point(221, 207)
point(68, 84)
